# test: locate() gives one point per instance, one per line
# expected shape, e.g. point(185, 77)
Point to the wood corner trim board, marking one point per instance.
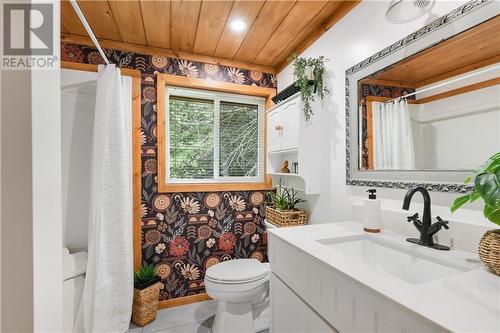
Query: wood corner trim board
point(150, 50)
point(164, 80)
point(344, 8)
point(136, 151)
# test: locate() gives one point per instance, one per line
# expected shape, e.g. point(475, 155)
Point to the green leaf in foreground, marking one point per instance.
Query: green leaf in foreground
point(492, 214)
point(460, 201)
point(488, 186)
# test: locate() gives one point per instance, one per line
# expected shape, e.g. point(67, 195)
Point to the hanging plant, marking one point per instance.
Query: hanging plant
point(306, 70)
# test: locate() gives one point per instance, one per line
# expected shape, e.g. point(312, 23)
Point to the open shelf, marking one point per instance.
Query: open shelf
point(299, 189)
point(285, 151)
point(291, 174)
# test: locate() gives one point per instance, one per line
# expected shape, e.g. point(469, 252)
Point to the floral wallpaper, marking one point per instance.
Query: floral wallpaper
point(376, 90)
point(185, 233)
point(152, 65)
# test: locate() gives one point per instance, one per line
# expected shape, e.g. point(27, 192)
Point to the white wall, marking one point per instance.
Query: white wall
point(47, 198)
point(357, 36)
point(47, 222)
point(77, 123)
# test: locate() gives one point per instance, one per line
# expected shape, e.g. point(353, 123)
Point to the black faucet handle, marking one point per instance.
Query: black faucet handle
point(413, 218)
point(442, 222)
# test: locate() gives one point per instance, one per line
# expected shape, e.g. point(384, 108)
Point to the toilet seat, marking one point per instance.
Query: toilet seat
point(240, 271)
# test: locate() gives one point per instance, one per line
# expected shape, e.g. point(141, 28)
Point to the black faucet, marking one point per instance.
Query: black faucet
point(425, 227)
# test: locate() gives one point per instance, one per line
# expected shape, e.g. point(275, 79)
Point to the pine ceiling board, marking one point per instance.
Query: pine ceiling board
point(156, 19)
point(128, 18)
point(314, 26)
point(70, 20)
point(100, 18)
point(230, 41)
point(297, 19)
point(213, 17)
point(269, 18)
point(184, 24)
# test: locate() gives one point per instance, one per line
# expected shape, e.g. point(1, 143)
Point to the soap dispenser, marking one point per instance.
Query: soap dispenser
point(371, 212)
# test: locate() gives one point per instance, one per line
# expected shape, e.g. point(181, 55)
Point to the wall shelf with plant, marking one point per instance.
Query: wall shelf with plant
point(309, 75)
point(306, 70)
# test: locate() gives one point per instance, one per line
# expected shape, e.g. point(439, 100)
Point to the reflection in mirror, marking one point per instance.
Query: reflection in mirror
point(438, 109)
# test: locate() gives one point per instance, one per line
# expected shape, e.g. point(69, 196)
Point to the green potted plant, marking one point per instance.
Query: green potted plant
point(146, 295)
point(281, 208)
point(487, 188)
point(307, 71)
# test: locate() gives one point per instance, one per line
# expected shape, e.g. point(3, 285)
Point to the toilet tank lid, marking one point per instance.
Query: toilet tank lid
point(74, 264)
point(237, 270)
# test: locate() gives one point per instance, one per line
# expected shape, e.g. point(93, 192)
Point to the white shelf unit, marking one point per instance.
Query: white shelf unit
point(290, 137)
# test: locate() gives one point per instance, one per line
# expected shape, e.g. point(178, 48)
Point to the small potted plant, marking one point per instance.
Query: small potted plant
point(281, 208)
point(487, 188)
point(309, 71)
point(146, 295)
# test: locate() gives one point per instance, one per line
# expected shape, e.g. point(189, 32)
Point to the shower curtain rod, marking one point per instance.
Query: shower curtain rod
point(497, 67)
point(89, 30)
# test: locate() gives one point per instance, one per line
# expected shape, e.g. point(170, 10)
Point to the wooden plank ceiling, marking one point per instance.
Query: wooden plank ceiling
point(199, 30)
point(474, 48)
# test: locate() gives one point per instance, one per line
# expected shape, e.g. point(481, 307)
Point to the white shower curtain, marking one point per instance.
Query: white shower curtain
point(392, 136)
point(106, 303)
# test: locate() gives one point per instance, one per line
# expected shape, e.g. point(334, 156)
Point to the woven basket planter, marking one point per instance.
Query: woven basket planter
point(286, 218)
point(145, 304)
point(489, 250)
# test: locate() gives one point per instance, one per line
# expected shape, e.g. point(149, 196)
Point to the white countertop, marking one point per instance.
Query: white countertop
point(464, 302)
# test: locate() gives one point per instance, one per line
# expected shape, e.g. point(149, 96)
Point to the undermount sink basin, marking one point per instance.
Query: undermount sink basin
point(392, 258)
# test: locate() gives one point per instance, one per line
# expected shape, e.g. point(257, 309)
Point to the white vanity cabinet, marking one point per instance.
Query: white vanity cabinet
point(330, 298)
point(291, 314)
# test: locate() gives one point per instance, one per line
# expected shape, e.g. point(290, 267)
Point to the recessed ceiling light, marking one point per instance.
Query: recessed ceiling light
point(238, 25)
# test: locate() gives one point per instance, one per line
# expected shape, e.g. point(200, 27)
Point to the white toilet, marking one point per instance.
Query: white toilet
point(237, 285)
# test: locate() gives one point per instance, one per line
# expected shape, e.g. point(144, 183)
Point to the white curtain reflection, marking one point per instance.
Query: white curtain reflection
point(392, 136)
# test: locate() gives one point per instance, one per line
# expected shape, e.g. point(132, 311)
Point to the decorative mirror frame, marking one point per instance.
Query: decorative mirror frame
point(401, 179)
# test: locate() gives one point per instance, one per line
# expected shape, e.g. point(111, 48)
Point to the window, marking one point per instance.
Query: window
point(213, 137)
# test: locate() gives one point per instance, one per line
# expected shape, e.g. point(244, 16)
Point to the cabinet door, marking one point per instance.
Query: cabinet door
point(290, 124)
point(273, 130)
point(291, 314)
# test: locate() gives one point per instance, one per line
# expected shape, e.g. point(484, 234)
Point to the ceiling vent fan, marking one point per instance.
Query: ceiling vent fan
point(402, 11)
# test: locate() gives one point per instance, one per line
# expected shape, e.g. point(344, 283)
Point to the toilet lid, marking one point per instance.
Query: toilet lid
point(238, 270)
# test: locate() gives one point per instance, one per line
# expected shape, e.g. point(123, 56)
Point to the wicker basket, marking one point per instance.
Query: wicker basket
point(145, 304)
point(286, 218)
point(489, 250)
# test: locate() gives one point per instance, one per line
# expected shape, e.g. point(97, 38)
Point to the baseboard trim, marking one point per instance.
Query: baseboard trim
point(170, 303)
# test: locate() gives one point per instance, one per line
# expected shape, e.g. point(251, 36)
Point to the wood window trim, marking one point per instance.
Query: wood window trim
point(136, 151)
point(165, 80)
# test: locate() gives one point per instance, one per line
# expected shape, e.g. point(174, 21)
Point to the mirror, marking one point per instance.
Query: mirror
point(427, 108)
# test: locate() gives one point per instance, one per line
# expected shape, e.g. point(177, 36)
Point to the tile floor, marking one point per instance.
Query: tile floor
point(192, 318)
